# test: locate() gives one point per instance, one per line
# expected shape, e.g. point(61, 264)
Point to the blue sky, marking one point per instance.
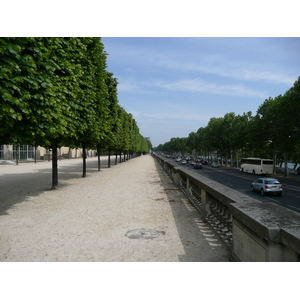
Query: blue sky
point(173, 86)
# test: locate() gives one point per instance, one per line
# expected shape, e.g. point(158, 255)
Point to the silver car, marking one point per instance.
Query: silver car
point(267, 185)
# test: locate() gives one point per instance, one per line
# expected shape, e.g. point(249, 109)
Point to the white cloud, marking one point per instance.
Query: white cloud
point(195, 85)
point(215, 66)
point(127, 86)
point(170, 114)
point(200, 85)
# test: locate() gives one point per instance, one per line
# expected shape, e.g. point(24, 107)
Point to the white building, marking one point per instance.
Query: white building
point(27, 152)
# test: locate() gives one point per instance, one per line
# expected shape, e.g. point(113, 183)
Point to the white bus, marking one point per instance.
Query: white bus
point(257, 165)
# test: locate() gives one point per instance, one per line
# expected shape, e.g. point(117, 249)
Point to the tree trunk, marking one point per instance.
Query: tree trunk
point(286, 169)
point(116, 159)
point(17, 154)
point(274, 159)
point(99, 161)
point(84, 160)
point(108, 159)
point(54, 167)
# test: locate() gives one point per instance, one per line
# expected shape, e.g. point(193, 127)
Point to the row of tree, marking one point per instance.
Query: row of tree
point(57, 92)
point(274, 132)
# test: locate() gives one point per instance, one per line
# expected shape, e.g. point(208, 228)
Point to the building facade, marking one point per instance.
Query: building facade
point(27, 152)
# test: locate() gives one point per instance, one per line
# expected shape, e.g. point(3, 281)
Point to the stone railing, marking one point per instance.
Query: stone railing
point(252, 230)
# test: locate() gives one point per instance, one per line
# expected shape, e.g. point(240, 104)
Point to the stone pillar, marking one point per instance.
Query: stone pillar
point(188, 188)
point(205, 200)
point(177, 178)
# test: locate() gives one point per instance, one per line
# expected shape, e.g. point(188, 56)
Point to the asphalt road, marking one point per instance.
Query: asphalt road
point(241, 182)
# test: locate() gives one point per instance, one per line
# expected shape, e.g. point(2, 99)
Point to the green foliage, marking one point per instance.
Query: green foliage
point(57, 91)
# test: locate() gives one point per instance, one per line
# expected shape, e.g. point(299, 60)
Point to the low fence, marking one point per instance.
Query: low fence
point(252, 230)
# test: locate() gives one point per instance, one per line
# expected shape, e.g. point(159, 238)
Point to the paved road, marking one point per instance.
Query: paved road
point(241, 182)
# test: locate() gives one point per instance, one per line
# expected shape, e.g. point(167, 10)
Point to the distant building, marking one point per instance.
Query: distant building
point(27, 152)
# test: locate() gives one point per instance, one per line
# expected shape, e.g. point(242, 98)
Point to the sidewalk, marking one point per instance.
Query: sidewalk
point(131, 212)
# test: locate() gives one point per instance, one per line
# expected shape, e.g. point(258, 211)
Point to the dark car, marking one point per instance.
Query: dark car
point(198, 166)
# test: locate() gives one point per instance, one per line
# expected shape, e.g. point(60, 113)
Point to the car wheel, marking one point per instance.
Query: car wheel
point(262, 192)
point(253, 172)
point(242, 170)
point(252, 188)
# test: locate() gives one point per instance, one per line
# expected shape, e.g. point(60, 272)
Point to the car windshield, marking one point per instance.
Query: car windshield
point(272, 182)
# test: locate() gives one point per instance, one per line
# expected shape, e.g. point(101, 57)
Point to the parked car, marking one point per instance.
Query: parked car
point(214, 165)
point(198, 166)
point(267, 185)
point(178, 159)
point(183, 161)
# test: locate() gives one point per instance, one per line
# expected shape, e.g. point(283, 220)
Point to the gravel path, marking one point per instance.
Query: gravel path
point(131, 212)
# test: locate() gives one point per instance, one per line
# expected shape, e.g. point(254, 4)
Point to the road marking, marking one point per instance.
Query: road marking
point(287, 187)
point(294, 207)
point(270, 199)
point(277, 201)
point(244, 175)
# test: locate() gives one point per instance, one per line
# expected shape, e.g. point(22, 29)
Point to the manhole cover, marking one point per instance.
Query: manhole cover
point(143, 233)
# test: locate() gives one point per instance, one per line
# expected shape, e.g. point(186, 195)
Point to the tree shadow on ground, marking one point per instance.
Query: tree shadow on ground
point(199, 241)
point(19, 186)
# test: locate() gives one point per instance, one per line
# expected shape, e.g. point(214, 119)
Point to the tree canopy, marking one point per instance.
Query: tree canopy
point(57, 92)
point(273, 132)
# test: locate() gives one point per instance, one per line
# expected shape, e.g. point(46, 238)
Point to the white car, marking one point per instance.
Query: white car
point(178, 159)
point(267, 185)
point(183, 161)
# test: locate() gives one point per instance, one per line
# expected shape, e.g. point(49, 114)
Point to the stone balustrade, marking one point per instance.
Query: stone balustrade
point(252, 230)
